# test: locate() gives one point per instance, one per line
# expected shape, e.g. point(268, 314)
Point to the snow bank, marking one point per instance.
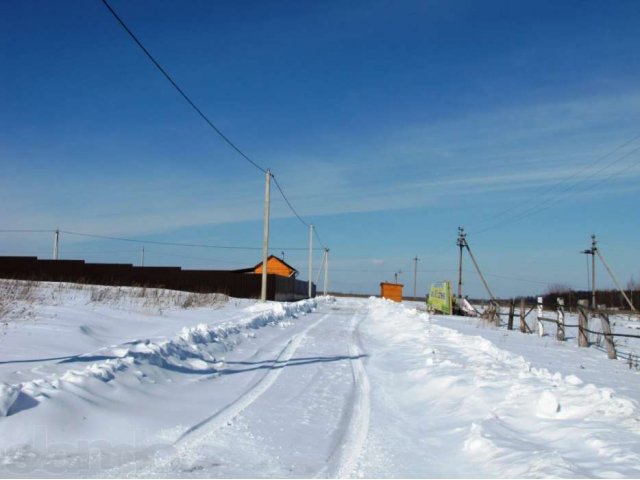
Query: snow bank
point(193, 350)
point(8, 395)
point(507, 415)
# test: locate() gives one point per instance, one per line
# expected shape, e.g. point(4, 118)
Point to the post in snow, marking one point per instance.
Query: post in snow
point(56, 244)
point(540, 317)
point(310, 259)
point(265, 236)
point(326, 271)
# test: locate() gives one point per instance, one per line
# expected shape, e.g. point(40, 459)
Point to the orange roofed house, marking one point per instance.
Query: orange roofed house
point(275, 266)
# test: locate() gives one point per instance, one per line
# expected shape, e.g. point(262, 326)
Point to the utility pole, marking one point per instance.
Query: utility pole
point(56, 244)
point(310, 258)
point(265, 236)
point(486, 285)
point(326, 271)
point(142, 259)
point(396, 275)
point(592, 251)
point(462, 241)
point(615, 280)
point(415, 276)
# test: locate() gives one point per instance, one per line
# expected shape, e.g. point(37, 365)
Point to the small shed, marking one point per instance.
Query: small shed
point(275, 266)
point(391, 291)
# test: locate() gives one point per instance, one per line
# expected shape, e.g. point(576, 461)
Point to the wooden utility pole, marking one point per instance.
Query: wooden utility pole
point(265, 236)
point(142, 257)
point(484, 282)
point(615, 280)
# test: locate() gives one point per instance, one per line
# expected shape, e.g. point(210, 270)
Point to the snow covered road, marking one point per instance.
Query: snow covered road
point(325, 388)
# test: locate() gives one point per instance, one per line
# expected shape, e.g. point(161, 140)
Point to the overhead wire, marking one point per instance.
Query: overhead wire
point(547, 203)
point(564, 180)
point(200, 112)
point(305, 223)
point(26, 231)
point(180, 91)
point(173, 244)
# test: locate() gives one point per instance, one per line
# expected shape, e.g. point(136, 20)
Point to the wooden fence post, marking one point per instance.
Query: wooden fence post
point(583, 322)
point(540, 317)
point(608, 337)
point(523, 323)
point(560, 331)
point(512, 311)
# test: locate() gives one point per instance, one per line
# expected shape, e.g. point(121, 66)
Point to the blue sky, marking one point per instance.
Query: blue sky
point(388, 124)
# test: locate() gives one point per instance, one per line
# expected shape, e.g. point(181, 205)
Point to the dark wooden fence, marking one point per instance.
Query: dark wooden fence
point(234, 284)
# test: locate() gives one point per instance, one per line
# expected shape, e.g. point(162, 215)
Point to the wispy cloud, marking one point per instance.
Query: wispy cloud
point(492, 153)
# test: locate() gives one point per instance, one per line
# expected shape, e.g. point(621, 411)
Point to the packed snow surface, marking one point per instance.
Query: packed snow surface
point(108, 382)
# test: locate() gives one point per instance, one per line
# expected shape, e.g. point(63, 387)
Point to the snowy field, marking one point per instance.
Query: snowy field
point(126, 382)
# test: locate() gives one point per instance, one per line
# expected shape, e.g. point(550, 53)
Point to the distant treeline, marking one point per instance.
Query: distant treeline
point(612, 299)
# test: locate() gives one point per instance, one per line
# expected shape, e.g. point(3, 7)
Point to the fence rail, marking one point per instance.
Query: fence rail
point(583, 315)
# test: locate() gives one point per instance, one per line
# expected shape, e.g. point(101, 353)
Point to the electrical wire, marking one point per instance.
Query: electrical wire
point(288, 202)
point(174, 244)
point(306, 224)
point(564, 180)
point(546, 203)
point(199, 111)
point(27, 231)
point(180, 91)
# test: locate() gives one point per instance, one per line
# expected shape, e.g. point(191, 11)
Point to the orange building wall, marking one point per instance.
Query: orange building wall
point(276, 267)
point(392, 291)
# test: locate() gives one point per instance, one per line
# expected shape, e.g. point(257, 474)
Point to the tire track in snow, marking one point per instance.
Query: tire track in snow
point(347, 450)
point(226, 414)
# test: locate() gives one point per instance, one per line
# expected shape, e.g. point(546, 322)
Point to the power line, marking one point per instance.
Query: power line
point(174, 244)
point(180, 91)
point(526, 280)
point(315, 232)
point(597, 160)
point(546, 203)
point(288, 202)
point(315, 229)
point(152, 242)
point(199, 111)
point(27, 231)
